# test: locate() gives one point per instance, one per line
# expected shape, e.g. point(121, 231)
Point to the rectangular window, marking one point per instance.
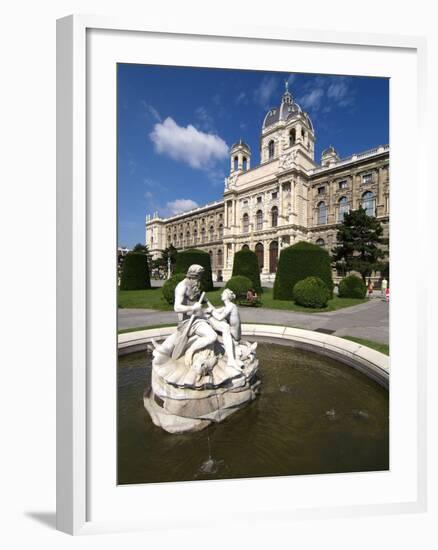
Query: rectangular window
point(245, 203)
point(367, 178)
point(259, 199)
point(321, 190)
point(343, 184)
point(274, 195)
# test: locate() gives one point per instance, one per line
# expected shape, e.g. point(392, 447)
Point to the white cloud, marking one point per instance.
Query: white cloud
point(180, 205)
point(150, 111)
point(188, 144)
point(291, 78)
point(312, 100)
point(265, 90)
point(240, 98)
point(340, 92)
point(206, 121)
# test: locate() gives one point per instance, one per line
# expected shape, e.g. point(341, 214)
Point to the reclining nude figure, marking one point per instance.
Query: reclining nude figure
point(202, 332)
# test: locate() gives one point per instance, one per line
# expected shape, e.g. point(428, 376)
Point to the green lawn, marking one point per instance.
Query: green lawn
point(383, 348)
point(153, 299)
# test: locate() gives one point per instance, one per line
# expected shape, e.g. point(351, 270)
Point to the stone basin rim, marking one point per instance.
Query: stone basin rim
point(370, 362)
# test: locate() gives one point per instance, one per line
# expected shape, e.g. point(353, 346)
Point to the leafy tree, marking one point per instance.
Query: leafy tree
point(245, 263)
point(297, 262)
point(135, 273)
point(141, 249)
point(171, 252)
point(360, 243)
point(311, 292)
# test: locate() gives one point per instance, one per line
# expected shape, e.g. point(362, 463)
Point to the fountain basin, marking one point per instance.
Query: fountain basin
point(370, 362)
point(314, 415)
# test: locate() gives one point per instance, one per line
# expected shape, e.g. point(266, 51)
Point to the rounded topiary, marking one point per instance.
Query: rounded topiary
point(239, 285)
point(186, 258)
point(245, 263)
point(352, 287)
point(311, 292)
point(297, 262)
point(135, 272)
point(169, 286)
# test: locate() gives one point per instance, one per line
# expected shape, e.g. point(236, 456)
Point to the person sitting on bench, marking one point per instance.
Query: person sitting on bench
point(251, 296)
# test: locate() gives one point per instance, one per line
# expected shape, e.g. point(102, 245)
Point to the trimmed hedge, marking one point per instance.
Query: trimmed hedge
point(297, 262)
point(352, 287)
point(245, 263)
point(186, 258)
point(239, 285)
point(311, 292)
point(135, 272)
point(169, 287)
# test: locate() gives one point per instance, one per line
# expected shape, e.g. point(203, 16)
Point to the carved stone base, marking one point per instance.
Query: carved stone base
point(185, 399)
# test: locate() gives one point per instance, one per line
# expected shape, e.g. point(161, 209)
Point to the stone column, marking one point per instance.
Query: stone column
point(280, 205)
point(380, 207)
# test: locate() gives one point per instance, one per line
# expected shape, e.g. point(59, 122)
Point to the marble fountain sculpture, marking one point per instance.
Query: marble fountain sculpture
point(203, 372)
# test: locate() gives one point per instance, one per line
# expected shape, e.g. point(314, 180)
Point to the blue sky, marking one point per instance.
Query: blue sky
point(175, 125)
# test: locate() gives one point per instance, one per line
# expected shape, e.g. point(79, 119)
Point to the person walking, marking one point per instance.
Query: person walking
point(370, 288)
point(383, 287)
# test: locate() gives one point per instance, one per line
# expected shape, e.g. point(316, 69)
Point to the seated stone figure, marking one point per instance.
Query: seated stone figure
point(197, 328)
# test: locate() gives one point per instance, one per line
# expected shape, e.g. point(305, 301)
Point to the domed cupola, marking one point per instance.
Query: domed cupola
point(240, 155)
point(287, 109)
point(286, 129)
point(329, 156)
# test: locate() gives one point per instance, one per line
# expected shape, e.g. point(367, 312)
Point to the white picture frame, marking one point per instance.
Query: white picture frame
point(80, 338)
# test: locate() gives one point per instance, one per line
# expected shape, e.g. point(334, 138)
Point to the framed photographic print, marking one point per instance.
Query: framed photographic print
point(232, 215)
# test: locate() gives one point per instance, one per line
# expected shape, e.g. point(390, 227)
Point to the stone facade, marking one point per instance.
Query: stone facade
point(285, 199)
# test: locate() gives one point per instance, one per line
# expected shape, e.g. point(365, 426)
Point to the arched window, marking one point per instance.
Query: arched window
point(221, 231)
point(322, 213)
point(235, 163)
point(259, 220)
point(273, 257)
point(245, 223)
point(343, 208)
point(195, 236)
point(292, 137)
point(188, 237)
point(271, 149)
point(320, 242)
point(203, 235)
point(274, 216)
point(219, 258)
point(245, 247)
point(211, 231)
point(245, 164)
point(369, 203)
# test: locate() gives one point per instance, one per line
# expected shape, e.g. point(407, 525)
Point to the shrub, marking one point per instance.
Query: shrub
point(246, 264)
point(239, 285)
point(169, 287)
point(186, 258)
point(352, 287)
point(135, 272)
point(311, 292)
point(297, 262)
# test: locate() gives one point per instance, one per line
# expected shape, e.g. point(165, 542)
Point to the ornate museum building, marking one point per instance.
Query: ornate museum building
point(287, 198)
